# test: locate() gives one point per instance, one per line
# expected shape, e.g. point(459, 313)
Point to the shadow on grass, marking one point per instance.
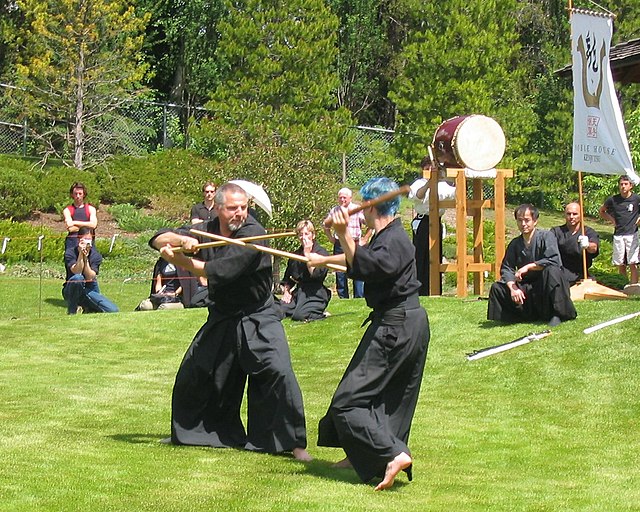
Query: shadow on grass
point(324, 469)
point(145, 438)
point(59, 303)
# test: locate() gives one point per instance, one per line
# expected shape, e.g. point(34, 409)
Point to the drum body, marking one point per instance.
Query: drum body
point(476, 142)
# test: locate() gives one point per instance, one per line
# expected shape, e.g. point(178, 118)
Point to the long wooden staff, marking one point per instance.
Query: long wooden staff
point(220, 243)
point(262, 248)
point(403, 190)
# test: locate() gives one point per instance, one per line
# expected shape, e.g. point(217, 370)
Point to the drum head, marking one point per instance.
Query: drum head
point(479, 143)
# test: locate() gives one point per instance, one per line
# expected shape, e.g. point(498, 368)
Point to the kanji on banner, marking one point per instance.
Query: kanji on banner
point(599, 137)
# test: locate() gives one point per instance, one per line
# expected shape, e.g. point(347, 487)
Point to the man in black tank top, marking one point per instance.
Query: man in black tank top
point(78, 215)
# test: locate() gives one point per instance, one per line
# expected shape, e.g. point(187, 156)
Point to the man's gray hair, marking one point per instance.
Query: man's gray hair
point(221, 193)
point(346, 191)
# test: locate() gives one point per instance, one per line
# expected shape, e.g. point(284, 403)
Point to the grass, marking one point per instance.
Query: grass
point(547, 426)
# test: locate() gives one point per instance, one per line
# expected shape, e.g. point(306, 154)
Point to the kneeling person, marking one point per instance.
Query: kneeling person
point(166, 291)
point(81, 290)
point(532, 286)
point(305, 296)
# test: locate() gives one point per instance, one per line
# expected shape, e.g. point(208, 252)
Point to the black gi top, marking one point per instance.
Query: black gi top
point(387, 266)
point(570, 252)
point(239, 278)
point(297, 272)
point(543, 251)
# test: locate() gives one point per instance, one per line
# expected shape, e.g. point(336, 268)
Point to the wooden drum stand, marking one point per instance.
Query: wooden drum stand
point(466, 207)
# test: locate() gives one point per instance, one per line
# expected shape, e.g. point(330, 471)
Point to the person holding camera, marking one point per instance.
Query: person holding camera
point(81, 290)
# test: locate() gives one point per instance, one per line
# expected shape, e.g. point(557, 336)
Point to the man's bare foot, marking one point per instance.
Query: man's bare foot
point(343, 464)
point(400, 462)
point(301, 454)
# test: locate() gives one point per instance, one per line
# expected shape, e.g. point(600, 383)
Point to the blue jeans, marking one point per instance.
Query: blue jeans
point(342, 283)
point(78, 292)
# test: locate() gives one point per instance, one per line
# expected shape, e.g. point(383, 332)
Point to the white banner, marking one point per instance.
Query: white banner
point(599, 138)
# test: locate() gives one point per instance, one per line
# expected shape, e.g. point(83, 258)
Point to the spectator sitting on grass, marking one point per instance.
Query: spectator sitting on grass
point(81, 290)
point(166, 292)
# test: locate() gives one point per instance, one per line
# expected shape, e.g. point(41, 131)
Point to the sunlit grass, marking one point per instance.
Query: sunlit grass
point(547, 426)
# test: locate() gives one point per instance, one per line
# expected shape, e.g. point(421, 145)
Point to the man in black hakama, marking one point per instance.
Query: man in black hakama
point(371, 411)
point(533, 285)
point(242, 340)
point(574, 246)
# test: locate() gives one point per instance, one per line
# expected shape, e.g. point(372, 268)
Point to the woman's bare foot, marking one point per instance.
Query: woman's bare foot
point(301, 454)
point(343, 464)
point(400, 462)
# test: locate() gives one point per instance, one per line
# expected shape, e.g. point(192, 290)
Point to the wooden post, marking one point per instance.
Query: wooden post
point(500, 225)
point(466, 262)
point(461, 234)
point(435, 280)
point(478, 236)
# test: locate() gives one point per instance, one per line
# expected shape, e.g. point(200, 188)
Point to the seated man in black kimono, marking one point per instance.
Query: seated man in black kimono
point(305, 297)
point(532, 285)
point(572, 244)
point(242, 345)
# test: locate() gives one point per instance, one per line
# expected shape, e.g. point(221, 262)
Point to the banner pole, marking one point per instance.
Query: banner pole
point(584, 252)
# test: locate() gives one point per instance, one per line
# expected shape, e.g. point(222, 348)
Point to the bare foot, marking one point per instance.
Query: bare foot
point(400, 462)
point(302, 454)
point(343, 464)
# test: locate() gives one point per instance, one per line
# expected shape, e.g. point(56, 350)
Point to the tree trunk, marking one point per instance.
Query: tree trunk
point(276, 273)
point(78, 128)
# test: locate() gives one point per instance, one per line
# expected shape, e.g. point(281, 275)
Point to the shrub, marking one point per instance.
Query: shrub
point(134, 220)
point(55, 182)
point(24, 242)
point(19, 191)
point(167, 173)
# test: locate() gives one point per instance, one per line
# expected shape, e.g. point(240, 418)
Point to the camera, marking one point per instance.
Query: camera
point(88, 243)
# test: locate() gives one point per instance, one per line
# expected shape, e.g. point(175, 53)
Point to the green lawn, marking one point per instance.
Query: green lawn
point(549, 426)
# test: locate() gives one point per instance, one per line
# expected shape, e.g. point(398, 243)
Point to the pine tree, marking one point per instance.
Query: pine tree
point(460, 59)
point(278, 70)
point(80, 62)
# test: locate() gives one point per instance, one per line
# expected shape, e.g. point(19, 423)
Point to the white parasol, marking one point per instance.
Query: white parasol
point(257, 193)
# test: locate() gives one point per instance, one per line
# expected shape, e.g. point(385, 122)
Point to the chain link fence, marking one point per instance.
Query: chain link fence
point(136, 128)
point(141, 127)
point(373, 156)
point(370, 155)
point(13, 138)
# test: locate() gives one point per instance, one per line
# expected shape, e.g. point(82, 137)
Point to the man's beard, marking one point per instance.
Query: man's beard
point(235, 226)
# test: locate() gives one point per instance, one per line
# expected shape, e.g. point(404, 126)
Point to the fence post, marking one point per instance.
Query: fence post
point(24, 137)
point(164, 125)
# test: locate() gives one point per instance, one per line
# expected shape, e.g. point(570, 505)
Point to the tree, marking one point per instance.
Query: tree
point(182, 38)
point(11, 21)
point(278, 71)
point(365, 55)
point(80, 62)
point(460, 58)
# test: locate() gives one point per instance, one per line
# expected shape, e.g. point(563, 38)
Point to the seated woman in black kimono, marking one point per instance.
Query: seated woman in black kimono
point(305, 297)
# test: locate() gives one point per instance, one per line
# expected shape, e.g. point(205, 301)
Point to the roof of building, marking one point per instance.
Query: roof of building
point(624, 59)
